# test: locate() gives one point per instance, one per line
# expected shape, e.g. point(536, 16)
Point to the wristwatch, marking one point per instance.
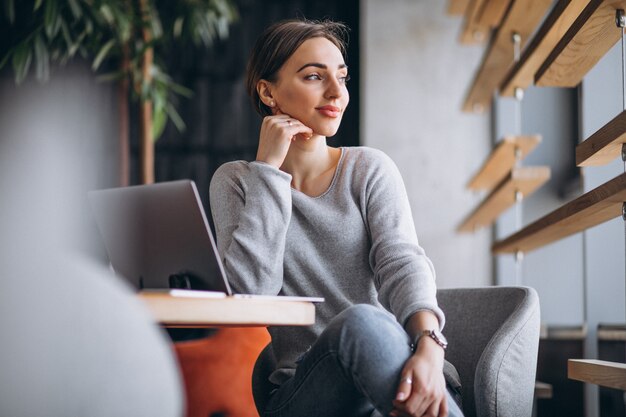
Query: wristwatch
point(434, 334)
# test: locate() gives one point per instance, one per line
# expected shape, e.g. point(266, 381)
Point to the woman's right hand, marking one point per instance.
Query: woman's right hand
point(277, 133)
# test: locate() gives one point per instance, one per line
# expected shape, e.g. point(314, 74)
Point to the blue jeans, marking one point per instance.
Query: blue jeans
point(352, 370)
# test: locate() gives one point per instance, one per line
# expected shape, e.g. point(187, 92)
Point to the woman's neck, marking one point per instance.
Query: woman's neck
point(311, 164)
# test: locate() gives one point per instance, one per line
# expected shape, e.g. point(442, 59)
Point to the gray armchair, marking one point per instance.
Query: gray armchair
point(493, 336)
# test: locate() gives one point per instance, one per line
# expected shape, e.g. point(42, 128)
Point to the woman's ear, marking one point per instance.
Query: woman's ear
point(264, 90)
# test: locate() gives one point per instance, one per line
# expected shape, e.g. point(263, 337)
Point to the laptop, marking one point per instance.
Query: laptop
point(158, 238)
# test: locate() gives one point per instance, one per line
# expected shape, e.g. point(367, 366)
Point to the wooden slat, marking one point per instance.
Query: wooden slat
point(589, 38)
point(492, 12)
point(501, 160)
point(173, 311)
point(552, 30)
point(525, 180)
point(611, 332)
point(593, 208)
point(543, 390)
point(522, 17)
point(473, 32)
point(607, 374)
point(563, 332)
point(605, 145)
point(457, 7)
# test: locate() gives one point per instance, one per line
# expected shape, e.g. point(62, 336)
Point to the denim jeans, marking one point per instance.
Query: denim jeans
point(352, 370)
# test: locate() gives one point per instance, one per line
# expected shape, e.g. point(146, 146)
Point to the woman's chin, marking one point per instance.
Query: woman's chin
point(327, 131)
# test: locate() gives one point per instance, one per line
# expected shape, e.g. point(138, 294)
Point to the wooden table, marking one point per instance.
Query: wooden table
point(174, 311)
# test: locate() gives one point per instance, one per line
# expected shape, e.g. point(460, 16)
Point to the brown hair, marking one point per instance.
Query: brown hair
point(278, 42)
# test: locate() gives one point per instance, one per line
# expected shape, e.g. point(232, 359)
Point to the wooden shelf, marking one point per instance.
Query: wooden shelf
point(501, 160)
point(543, 390)
point(549, 34)
point(474, 32)
point(492, 12)
point(605, 145)
point(607, 374)
point(525, 180)
point(457, 7)
point(589, 38)
point(593, 208)
point(522, 17)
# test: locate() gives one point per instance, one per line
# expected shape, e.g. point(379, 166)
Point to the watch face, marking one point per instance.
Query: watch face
point(439, 338)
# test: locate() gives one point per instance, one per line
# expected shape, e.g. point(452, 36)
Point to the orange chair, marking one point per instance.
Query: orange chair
point(217, 372)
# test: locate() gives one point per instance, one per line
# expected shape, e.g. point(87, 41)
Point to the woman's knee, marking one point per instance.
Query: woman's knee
point(367, 322)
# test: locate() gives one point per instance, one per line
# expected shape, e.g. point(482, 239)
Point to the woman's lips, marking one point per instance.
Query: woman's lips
point(329, 111)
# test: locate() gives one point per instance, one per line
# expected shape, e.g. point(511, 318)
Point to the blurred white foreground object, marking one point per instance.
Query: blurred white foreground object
point(74, 340)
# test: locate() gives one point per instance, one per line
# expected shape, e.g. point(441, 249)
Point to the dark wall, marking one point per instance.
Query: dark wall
point(221, 123)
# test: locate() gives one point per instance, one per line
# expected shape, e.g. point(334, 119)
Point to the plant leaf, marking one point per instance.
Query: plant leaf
point(22, 57)
point(5, 59)
point(178, 27)
point(155, 24)
point(75, 7)
point(106, 12)
point(159, 119)
point(52, 20)
point(66, 35)
point(9, 9)
point(110, 76)
point(37, 5)
point(42, 59)
point(102, 54)
point(175, 117)
point(180, 90)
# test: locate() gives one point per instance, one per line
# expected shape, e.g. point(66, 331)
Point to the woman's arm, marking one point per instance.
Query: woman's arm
point(406, 286)
point(251, 208)
point(405, 277)
point(422, 388)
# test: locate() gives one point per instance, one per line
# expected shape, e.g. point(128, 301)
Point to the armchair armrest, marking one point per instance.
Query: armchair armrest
point(493, 336)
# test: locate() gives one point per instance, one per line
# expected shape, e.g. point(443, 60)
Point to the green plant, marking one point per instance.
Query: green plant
point(133, 35)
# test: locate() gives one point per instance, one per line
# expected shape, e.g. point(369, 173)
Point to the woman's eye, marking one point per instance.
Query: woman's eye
point(313, 77)
point(344, 79)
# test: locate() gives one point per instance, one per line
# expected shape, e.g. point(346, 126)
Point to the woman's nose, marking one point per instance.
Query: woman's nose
point(334, 88)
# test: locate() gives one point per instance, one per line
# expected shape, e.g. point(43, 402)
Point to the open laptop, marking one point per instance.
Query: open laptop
point(157, 237)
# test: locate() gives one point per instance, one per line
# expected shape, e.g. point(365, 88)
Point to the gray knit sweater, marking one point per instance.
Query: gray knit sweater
point(355, 243)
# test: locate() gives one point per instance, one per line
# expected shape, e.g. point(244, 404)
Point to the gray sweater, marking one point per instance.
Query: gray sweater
point(355, 243)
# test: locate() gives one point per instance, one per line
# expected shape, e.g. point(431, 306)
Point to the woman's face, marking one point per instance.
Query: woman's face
point(311, 86)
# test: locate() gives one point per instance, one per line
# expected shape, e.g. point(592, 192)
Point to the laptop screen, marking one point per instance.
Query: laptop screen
point(157, 236)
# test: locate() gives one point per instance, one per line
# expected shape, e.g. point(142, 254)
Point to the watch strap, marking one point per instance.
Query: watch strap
point(433, 334)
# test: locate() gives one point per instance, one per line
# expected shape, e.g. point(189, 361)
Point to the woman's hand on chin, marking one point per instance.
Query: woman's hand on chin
point(277, 133)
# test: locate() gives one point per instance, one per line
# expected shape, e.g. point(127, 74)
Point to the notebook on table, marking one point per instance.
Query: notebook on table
point(158, 238)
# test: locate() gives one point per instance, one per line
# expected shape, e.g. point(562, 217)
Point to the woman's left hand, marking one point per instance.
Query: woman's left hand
point(422, 389)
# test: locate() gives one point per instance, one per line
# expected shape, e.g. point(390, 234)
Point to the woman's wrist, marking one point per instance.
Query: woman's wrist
point(427, 346)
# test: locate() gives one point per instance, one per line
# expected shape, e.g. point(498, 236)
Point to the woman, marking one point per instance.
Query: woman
point(305, 218)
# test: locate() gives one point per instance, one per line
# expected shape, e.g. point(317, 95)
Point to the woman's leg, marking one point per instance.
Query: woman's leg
point(351, 369)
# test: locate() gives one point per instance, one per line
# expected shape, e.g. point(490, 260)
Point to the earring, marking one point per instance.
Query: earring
point(272, 103)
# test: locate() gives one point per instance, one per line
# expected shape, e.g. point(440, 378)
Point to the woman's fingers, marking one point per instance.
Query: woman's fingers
point(404, 388)
point(277, 133)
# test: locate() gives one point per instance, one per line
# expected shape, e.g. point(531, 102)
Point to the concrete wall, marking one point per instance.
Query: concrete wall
point(414, 77)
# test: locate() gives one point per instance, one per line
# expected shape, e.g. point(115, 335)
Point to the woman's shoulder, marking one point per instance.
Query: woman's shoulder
point(229, 173)
point(369, 159)
point(231, 170)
